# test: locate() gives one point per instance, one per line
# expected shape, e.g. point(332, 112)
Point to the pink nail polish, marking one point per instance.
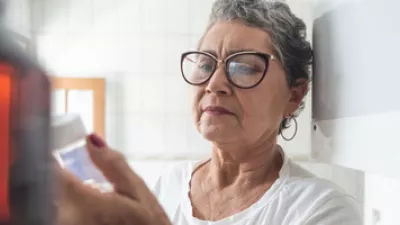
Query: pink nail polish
point(97, 141)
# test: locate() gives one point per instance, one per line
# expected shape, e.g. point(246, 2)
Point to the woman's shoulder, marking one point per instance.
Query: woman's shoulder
point(174, 175)
point(300, 180)
point(319, 199)
point(172, 185)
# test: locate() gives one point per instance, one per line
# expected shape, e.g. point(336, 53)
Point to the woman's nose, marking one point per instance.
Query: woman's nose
point(218, 83)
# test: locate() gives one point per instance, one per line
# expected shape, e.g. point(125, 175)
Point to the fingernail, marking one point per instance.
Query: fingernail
point(97, 141)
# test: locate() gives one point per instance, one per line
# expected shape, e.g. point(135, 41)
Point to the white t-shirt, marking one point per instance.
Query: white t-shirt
point(296, 198)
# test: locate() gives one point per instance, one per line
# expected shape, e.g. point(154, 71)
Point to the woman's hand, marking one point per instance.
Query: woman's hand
point(130, 203)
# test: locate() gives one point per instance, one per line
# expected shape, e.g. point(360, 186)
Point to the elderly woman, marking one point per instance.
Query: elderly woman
point(249, 77)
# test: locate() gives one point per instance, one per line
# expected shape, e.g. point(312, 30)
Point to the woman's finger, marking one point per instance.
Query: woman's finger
point(72, 188)
point(114, 167)
point(121, 210)
point(73, 199)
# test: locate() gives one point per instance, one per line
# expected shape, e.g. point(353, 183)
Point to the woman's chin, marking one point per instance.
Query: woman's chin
point(217, 133)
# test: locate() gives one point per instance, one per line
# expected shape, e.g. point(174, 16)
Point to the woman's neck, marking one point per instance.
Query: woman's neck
point(244, 167)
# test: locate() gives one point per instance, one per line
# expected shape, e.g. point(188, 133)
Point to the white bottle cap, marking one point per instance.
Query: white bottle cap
point(66, 129)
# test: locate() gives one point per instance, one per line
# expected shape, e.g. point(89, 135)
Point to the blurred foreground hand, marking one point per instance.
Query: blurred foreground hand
point(130, 203)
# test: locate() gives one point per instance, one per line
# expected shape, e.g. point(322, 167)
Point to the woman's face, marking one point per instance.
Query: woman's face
point(255, 113)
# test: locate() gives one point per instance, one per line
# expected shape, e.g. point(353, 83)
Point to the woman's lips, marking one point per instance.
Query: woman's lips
point(217, 110)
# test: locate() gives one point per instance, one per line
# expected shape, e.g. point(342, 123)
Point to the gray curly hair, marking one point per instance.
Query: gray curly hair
point(287, 32)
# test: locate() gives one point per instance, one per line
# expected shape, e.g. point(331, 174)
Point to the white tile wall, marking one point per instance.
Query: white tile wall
point(176, 17)
point(199, 12)
point(153, 54)
point(56, 11)
point(18, 16)
point(81, 17)
point(153, 17)
point(130, 20)
point(105, 15)
point(175, 45)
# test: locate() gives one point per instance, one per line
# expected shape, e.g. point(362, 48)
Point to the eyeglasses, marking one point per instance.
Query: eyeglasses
point(244, 69)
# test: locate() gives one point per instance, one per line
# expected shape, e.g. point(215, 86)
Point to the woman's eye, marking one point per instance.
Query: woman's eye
point(247, 69)
point(206, 67)
point(243, 69)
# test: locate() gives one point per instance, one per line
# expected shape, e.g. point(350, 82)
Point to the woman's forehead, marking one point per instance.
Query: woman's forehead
point(233, 36)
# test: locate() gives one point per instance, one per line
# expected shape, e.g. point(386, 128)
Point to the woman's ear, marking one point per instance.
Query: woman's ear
point(298, 90)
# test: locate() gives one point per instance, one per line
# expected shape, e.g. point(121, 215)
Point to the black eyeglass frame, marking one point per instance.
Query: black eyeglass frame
point(266, 57)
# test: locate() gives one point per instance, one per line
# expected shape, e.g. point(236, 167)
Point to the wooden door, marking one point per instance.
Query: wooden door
point(97, 88)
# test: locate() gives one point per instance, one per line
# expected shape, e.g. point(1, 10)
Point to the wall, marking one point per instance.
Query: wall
point(18, 16)
point(382, 198)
